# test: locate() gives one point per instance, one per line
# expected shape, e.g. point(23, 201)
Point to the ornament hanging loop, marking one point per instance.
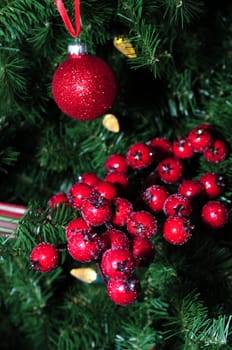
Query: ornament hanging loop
point(66, 19)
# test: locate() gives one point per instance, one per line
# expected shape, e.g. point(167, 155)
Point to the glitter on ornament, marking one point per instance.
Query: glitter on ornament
point(84, 85)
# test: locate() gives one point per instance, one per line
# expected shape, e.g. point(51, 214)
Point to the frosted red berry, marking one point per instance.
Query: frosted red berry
point(143, 251)
point(215, 214)
point(84, 247)
point(123, 291)
point(161, 147)
point(182, 149)
point(190, 188)
point(117, 263)
point(122, 209)
point(216, 152)
point(57, 199)
point(142, 223)
point(44, 257)
point(177, 204)
point(139, 156)
point(106, 189)
point(200, 139)
point(177, 230)
point(90, 179)
point(96, 211)
point(213, 184)
point(170, 170)
point(77, 225)
point(78, 194)
point(154, 197)
point(114, 239)
point(116, 162)
point(117, 178)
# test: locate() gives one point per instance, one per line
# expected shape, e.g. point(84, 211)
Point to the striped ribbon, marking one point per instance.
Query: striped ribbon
point(10, 214)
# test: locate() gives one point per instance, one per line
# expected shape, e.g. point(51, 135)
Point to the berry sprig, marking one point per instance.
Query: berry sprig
point(119, 214)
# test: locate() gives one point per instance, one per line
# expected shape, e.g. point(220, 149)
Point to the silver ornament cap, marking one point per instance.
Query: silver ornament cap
point(77, 48)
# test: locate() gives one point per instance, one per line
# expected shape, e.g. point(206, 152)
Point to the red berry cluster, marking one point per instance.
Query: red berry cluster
point(117, 221)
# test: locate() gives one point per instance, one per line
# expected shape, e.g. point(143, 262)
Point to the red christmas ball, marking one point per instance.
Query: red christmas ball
point(83, 86)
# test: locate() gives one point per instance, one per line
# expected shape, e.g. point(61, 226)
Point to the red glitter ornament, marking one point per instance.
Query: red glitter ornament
point(83, 86)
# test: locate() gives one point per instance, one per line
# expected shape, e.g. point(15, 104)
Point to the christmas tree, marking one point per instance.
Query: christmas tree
point(170, 108)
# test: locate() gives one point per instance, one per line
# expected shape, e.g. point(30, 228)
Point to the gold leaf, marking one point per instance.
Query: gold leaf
point(123, 45)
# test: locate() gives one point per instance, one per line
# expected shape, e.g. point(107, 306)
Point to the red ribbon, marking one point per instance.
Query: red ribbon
point(66, 19)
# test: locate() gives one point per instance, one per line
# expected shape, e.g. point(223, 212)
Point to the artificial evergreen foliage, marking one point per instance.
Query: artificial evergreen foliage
point(180, 78)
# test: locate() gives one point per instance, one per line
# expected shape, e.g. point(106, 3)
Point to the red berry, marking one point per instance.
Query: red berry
point(182, 149)
point(154, 197)
point(177, 230)
point(123, 291)
point(139, 156)
point(117, 263)
point(213, 184)
point(200, 139)
point(121, 212)
point(84, 247)
point(162, 148)
point(116, 162)
point(190, 188)
point(78, 194)
point(216, 152)
point(170, 170)
point(106, 189)
point(114, 239)
point(177, 204)
point(142, 223)
point(44, 257)
point(58, 199)
point(90, 179)
point(77, 225)
point(117, 178)
point(215, 214)
point(96, 211)
point(206, 127)
point(143, 251)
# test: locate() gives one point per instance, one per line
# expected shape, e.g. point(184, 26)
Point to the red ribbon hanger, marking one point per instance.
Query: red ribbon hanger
point(66, 19)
